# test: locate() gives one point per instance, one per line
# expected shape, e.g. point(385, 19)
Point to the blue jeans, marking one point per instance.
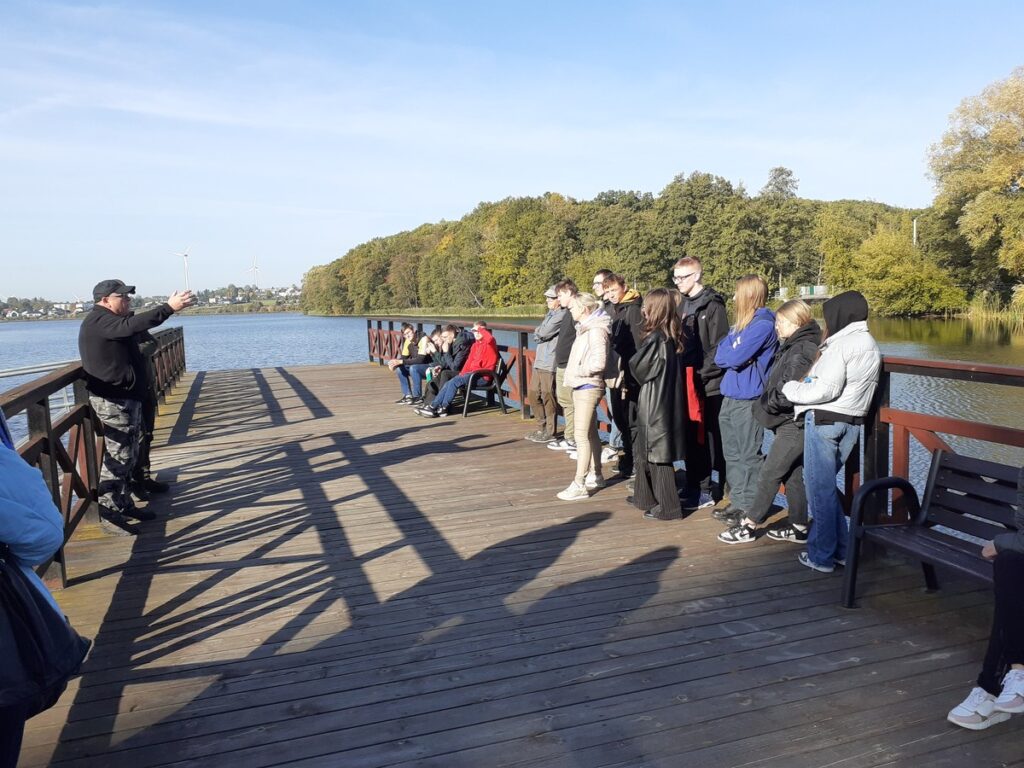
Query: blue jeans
point(448, 391)
point(410, 377)
point(826, 448)
point(614, 433)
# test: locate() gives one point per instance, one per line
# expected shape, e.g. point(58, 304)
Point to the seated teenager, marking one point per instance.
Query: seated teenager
point(453, 350)
point(411, 365)
point(483, 356)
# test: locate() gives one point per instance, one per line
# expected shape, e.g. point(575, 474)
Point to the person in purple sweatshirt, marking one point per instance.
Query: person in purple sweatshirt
point(745, 354)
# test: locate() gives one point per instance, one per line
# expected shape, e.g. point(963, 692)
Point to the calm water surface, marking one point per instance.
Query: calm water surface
point(215, 342)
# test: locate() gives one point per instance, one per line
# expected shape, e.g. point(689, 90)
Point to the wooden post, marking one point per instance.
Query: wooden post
point(523, 376)
point(41, 426)
point(876, 444)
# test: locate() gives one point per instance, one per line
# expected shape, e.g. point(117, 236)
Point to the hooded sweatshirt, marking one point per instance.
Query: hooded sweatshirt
point(841, 384)
point(626, 330)
point(546, 336)
point(793, 360)
point(746, 356)
point(704, 324)
point(483, 355)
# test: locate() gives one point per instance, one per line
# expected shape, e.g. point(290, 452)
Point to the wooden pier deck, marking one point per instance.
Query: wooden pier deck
point(336, 582)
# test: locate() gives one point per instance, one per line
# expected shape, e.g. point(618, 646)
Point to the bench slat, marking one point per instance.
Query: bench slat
point(976, 486)
point(934, 547)
point(970, 465)
point(1001, 516)
point(983, 529)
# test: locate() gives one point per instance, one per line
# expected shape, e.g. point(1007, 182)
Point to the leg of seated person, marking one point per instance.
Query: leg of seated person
point(1006, 642)
point(448, 391)
point(417, 373)
point(403, 379)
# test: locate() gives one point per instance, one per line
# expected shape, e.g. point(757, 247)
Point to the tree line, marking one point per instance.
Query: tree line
point(970, 242)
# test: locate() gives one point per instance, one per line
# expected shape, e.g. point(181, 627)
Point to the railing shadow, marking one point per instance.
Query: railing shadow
point(450, 632)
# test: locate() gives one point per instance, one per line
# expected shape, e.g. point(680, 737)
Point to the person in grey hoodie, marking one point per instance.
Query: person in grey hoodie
point(542, 380)
point(1000, 688)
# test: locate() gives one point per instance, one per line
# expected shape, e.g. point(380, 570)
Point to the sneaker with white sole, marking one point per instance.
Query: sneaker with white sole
point(593, 482)
point(805, 559)
point(788, 533)
point(573, 454)
point(977, 712)
point(1011, 700)
point(738, 534)
point(561, 445)
point(700, 500)
point(575, 492)
point(608, 454)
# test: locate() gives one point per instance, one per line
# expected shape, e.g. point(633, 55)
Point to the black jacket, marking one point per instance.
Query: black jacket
point(455, 357)
point(627, 326)
point(705, 323)
point(566, 337)
point(658, 432)
point(792, 361)
point(114, 366)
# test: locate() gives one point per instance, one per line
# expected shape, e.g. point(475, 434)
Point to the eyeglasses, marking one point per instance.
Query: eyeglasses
point(682, 278)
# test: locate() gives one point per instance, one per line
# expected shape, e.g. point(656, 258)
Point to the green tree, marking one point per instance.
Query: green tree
point(979, 168)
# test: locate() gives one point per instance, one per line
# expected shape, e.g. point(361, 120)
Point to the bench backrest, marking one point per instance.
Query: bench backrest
point(970, 495)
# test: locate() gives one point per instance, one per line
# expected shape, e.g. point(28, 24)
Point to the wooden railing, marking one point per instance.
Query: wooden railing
point(887, 437)
point(384, 339)
point(887, 426)
point(68, 449)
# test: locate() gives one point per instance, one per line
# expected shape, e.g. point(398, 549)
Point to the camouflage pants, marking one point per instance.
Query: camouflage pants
point(122, 426)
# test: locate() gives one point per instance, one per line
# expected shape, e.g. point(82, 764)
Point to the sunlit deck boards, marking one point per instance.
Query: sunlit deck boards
point(335, 581)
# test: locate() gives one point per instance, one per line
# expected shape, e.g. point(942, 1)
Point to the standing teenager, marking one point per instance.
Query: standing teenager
point(745, 354)
point(834, 399)
point(658, 431)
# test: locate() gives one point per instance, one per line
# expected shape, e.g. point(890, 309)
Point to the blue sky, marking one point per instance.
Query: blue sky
point(290, 132)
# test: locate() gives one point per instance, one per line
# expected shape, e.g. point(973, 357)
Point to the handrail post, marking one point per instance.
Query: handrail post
point(369, 340)
point(524, 378)
point(876, 445)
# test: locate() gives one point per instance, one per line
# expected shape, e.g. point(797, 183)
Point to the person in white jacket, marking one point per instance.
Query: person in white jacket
point(834, 400)
point(584, 376)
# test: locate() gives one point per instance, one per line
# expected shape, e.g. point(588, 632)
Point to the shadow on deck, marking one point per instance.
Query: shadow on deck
point(334, 581)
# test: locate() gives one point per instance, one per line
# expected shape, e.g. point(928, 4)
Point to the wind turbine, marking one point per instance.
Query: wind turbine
point(255, 269)
point(184, 257)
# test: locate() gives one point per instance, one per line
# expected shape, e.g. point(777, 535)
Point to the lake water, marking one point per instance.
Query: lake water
point(216, 342)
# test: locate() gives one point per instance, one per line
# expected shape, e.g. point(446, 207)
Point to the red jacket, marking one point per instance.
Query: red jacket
point(483, 355)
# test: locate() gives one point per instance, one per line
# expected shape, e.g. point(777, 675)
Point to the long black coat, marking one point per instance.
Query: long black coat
point(658, 433)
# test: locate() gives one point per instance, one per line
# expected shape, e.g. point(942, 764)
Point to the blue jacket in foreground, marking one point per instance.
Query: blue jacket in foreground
point(29, 522)
point(746, 356)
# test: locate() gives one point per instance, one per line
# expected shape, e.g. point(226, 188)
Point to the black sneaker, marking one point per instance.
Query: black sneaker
point(416, 401)
point(115, 524)
point(155, 486)
point(722, 514)
point(788, 533)
point(404, 400)
point(428, 412)
point(140, 514)
point(738, 534)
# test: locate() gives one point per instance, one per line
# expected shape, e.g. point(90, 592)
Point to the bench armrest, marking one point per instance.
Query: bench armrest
point(884, 484)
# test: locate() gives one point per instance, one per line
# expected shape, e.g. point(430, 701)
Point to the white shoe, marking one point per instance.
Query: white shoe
point(561, 445)
point(977, 712)
point(1012, 698)
point(608, 454)
point(576, 492)
point(573, 454)
point(593, 482)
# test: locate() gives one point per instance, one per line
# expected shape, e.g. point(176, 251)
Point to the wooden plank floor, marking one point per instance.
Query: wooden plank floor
point(335, 581)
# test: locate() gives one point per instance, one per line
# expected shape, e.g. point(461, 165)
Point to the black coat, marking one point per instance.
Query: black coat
point(627, 325)
point(658, 432)
point(705, 323)
point(792, 361)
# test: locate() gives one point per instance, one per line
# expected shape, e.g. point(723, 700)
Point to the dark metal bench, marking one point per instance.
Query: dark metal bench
point(490, 382)
point(963, 496)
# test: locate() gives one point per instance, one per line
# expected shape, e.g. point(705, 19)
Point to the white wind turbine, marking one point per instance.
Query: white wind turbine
point(184, 257)
point(255, 269)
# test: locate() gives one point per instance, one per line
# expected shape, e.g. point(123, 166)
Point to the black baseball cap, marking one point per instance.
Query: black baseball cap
point(106, 287)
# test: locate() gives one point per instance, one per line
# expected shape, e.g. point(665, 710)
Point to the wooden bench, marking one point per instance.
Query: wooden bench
point(962, 496)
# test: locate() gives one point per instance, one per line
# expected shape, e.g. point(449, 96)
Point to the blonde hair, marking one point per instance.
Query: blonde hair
point(587, 301)
point(751, 295)
point(796, 311)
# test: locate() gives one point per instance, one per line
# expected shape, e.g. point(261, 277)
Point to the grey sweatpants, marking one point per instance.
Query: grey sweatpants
point(742, 436)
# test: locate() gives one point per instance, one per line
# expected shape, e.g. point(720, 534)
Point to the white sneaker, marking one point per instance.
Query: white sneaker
point(1012, 697)
point(561, 445)
point(593, 482)
point(608, 454)
point(977, 712)
point(573, 454)
point(575, 492)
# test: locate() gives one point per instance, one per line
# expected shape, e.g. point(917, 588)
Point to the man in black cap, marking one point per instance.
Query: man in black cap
point(116, 378)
